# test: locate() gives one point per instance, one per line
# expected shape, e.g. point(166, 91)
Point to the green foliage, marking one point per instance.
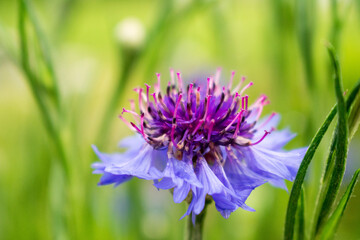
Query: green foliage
point(335, 166)
point(64, 79)
point(341, 148)
point(329, 229)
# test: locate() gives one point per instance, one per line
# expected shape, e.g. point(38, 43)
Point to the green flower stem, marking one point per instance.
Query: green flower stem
point(34, 82)
point(195, 231)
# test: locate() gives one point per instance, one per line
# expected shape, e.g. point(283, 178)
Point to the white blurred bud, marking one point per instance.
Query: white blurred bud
point(130, 32)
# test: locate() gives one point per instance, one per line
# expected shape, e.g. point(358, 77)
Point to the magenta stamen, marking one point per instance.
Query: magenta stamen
point(232, 122)
point(239, 85)
point(231, 80)
point(142, 123)
point(197, 127)
point(137, 129)
point(211, 82)
point(266, 102)
point(129, 111)
point(238, 125)
point(244, 102)
point(261, 99)
point(155, 100)
point(177, 105)
point(246, 87)
point(132, 105)
point(147, 94)
point(158, 86)
point(267, 120)
point(234, 100)
point(140, 99)
point(172, 76)
point(259, 112)
point(189, 92)
point(180, 85)
point(217, 75)
point(207, 85)
point(262, 138)
point(207, 106)
point(212, 123)
point(126, 122)
point(174, 119)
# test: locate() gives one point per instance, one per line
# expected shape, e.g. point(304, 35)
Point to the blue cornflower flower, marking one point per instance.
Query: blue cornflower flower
point(204, 143)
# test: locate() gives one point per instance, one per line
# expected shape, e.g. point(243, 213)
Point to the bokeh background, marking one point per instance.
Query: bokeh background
point(100, 50)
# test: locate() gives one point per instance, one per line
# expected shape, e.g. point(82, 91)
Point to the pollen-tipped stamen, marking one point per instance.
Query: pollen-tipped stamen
point(261, 139)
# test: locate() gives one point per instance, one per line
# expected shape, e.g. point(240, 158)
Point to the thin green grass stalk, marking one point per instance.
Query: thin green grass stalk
point(300, 217)
point(329, 229)
point(129, 62)
point(353, 124)
point(44, 51)
point(5, 46)
point(336, 24)
point(34, 85)
point(281, 21)
point(305, 31)
point(296, 188)
point(299, 180)
point(166, 28)
point(354, 118)
point(341, 146)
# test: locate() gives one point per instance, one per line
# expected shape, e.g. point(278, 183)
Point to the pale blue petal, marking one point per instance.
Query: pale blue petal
point(181, 192)
point(276, 140)
point(165, 183)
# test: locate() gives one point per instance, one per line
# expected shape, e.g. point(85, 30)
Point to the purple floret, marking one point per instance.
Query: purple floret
point(205, 143)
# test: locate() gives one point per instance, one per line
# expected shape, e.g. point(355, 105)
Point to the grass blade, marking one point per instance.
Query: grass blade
point(341, 145)
point(330, 226)
point(296, 189)
point(44, 50)
point(354, 120)
point(35, 87)
point(300, 217)
point(353, 124)
point(306, 11)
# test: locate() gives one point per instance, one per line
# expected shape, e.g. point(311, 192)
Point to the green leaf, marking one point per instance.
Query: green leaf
point(354, 117)
point(342, 132)
point(300, 217)
point(330, 226)
point(35, 85)
point(296, 189)
point(47, 82)
point(324, 183)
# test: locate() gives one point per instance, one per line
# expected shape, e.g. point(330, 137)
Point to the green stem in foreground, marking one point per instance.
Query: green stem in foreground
point(195, 231)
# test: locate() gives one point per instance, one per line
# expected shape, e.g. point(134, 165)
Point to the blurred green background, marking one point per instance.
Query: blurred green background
point(101, 49)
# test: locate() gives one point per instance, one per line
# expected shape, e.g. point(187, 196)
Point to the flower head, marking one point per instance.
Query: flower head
point(205, 142)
